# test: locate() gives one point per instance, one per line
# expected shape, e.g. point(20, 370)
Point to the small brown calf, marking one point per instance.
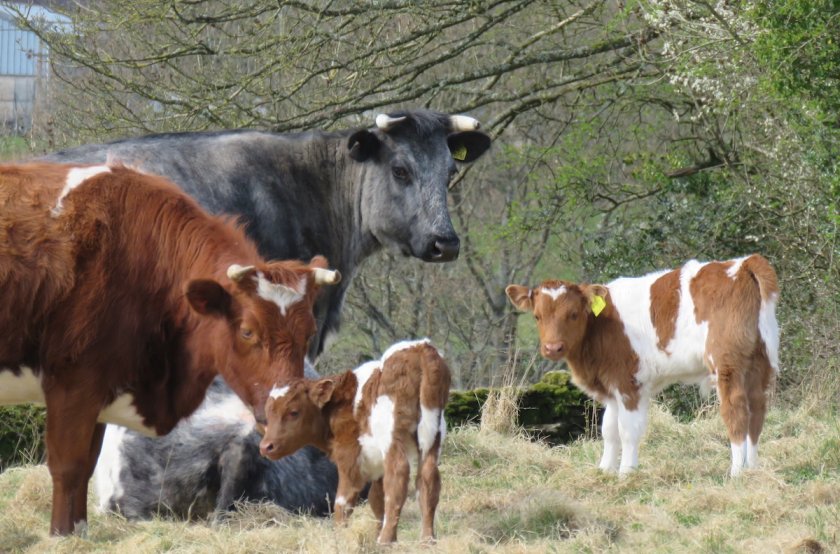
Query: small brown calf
point(371, 422)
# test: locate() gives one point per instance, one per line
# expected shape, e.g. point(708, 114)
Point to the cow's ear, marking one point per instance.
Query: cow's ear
point(468, 146)
point(520, 297)
point(362, 145)
point(321, 392)
point(208, 297)
point(597, 296)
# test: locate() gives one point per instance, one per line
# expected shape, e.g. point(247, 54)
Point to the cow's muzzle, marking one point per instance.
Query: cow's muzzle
point(442, 249)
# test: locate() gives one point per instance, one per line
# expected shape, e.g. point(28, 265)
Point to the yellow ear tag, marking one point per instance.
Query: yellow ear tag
point(598, 305)
point(460, 153)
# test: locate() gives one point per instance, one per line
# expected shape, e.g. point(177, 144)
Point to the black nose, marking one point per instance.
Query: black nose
point(444, 249)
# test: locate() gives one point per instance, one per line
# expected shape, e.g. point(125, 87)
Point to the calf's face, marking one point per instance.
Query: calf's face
point(294, 417)
point(563, 312)
point(262, 323)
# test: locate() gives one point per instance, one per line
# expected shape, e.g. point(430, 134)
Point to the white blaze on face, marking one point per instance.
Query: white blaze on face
point(106, 479)
point(122, 412)
point(281, 295)
point(363, 373)
point(24, 388)
point(378, 440)
point(278, 392)
point(75, 177)
point(554, 293)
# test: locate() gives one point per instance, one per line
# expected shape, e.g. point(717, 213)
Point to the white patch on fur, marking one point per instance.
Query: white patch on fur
point(428, 429)
point(739, 457)
point(363, 373)
point(631, 429)
point(404, 345)
point(612, 441)
point(122, 412)
point(768, 328)
point(106, 478)
point(281, 295)
point(752, 453)
point(278, 392)
point(554, 293)
point(377, 443)
point(75, 177)
point(340, 501)
point(222, 415)
point(682, 360)
point(732, 272)
point(20, 389)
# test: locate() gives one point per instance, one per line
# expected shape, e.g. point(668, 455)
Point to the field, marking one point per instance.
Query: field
point(506, 494)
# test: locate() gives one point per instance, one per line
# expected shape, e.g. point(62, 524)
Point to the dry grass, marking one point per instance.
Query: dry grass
point(502, 493)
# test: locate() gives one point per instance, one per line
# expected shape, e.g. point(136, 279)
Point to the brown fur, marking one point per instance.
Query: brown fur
point(605, 365)
point(125, 291)
point(321, 413)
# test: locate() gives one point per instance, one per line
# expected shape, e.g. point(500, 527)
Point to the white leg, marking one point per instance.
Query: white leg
point(739, 456)
point(612, 442)
point(752, 453)
point(631, 427)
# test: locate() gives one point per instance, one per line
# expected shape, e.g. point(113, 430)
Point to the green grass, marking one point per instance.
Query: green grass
point(505, 494)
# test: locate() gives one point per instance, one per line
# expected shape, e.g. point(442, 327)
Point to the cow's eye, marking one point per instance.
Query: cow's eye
point(247, 333)
point(293, 414)
point(400, 172)
point(573, 316)
point(537, 317)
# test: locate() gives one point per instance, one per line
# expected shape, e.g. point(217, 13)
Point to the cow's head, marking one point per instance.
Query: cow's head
point(407, 162)
point(563, 312)
point(263, 323)
point(295, 417)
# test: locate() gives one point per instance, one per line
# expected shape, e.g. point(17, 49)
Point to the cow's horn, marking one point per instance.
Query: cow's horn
point(385, 122)
point(326, 276)
point(236, 272)
point(463, 123)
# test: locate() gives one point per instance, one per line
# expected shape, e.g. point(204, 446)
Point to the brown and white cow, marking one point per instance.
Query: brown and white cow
point(707, 323)
point(372, 422)
point(122, 299)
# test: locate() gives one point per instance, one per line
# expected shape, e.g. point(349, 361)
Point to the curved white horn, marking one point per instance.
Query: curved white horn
point(464, 123)
point(326, 276)
point(236, 272)
point(385, 122)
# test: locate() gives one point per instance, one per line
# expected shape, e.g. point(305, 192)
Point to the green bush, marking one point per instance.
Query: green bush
point(21, 435)
point(553, 408)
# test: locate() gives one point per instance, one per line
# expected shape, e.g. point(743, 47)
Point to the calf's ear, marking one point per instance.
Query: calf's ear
point(468, 146)
point(520, 297)
point(597, 296)
point(362, 145)
point(321, 392)
point(208, 297)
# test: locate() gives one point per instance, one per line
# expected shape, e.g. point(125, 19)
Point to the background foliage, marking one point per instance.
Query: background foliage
point(629, 136)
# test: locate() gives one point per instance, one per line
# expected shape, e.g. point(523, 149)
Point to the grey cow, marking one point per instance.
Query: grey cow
point(344, 195)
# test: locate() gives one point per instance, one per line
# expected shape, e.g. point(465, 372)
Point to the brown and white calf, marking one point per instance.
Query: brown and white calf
point(122, 299)
point(707, 323)
point(372, 422)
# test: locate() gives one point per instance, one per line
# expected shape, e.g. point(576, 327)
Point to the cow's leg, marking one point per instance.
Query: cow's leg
point(73, 443)
point(395, 484)
point(429, 486)
point(233, 477)
point(631, 428)
point(734, 408)
point(346, 496)
point(376, 499)
point(80, 507)
point(612, 440)
point(758, 383)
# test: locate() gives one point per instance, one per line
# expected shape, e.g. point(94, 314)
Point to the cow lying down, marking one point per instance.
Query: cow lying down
point(372, 422)
point(206, 464)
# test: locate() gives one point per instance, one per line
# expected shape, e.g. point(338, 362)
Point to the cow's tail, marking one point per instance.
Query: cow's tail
point(434, 393)
point(768, 285)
